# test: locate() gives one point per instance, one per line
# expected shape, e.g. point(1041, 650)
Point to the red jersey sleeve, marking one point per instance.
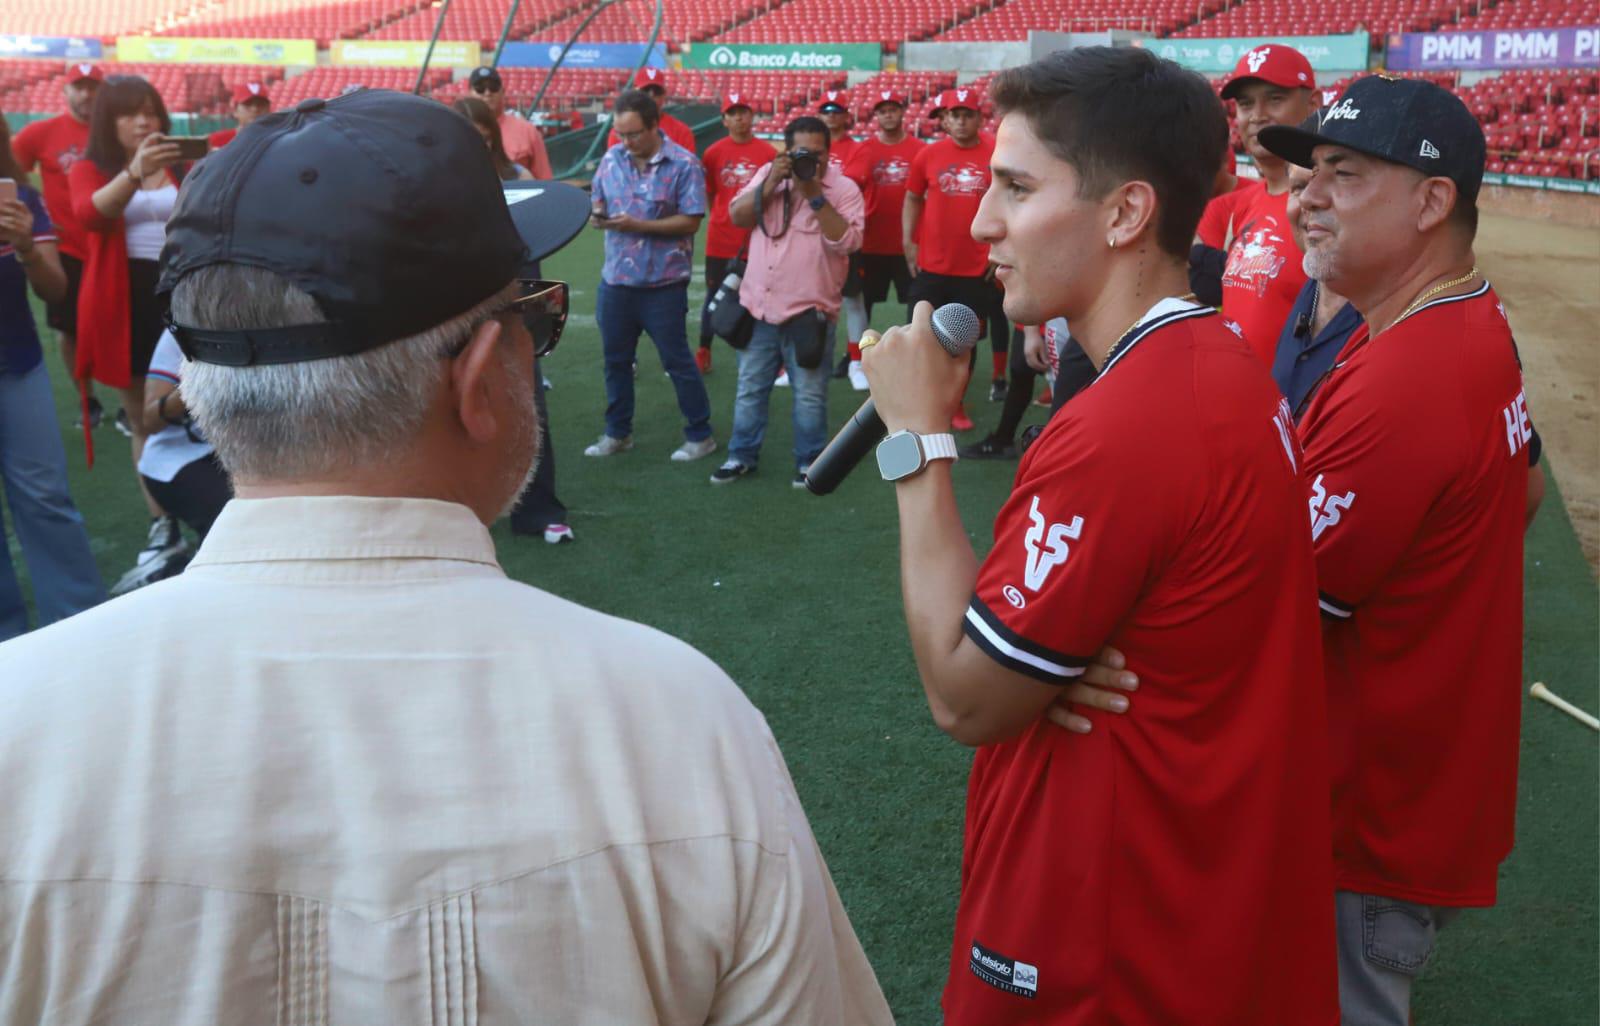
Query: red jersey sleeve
point(25, 146)
point(86, 180)
point(1373, 469)
point(1213, 228)
point(1074, 547)
point(917, 180)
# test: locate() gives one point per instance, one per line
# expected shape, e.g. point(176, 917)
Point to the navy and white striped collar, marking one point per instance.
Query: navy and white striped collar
point(1474, 294)
point(1165, 312)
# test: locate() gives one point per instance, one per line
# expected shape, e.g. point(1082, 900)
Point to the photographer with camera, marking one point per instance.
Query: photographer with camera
point(809, 219)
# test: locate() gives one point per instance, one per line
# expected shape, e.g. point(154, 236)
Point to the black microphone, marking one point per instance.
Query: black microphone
point(956, 327)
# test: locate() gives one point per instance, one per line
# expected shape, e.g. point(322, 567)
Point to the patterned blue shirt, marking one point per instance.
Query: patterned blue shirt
point(672, 183)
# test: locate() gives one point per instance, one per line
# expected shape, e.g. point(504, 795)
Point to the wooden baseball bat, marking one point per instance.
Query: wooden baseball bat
point(1544, 694)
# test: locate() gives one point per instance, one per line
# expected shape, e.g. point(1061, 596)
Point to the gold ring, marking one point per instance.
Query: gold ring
point(868, 340)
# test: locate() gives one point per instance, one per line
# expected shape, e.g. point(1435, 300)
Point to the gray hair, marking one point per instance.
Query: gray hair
point(297, 421)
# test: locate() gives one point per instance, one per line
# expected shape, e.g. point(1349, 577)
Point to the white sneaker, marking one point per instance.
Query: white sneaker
point(694, 450)
point(555, 534)
point(608, 446)
point(165, 554)
point(783, 379)
point(858, 377)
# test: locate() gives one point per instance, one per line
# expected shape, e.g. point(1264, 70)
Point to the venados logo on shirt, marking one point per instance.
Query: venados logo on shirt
point(1047, 545)
point(963, 179)
point(1326, 509)
point(1007, 974)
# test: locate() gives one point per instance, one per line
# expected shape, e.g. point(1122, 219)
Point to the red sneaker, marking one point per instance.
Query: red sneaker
point(702, 360)
point(961, 422)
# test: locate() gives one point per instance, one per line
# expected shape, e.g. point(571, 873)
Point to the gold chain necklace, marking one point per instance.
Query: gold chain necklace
point(1417, 303)
point(1117, 346)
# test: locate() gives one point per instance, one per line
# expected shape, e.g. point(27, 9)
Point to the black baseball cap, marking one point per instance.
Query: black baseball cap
point(1401, 120)
point(487, 76)
point(383, 206)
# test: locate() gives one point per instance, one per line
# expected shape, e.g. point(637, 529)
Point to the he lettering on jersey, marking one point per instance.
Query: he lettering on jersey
point(1519, 432)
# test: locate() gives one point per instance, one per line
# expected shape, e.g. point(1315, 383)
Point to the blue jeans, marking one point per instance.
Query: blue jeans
point(758, 367)
point(1383, 944)
point(33, 466)
point(622, 312)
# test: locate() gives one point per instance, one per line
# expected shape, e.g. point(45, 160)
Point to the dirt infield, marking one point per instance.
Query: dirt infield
point(1548, 275)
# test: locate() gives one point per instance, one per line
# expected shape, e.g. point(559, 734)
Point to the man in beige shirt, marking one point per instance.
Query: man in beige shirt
point(343, 770)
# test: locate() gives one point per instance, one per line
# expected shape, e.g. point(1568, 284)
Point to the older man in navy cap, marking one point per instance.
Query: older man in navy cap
point(1416, 454)
point(345, 770)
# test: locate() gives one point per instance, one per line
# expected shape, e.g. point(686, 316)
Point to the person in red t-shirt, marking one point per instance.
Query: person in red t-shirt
point(1415, 450)
point(880, 168)
point(946, 183)
point(834, 110)
point(1171, 866)
point(653, 83)
point(730, 163)
point(53, 146)
point(250, 101)
point(1208, 256)
point(1272, 85)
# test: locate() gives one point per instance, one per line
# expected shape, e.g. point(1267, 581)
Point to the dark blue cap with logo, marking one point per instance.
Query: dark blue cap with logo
point(1400, 120)
point(384, 207)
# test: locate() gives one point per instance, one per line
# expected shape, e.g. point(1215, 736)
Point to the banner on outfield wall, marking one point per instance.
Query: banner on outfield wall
point(772, 57)
point(1326, 53)
point(583, 55)
point(182, 50)
point(374, 53)
point(1540, 182)
point(1501, 48)
point(68, 48)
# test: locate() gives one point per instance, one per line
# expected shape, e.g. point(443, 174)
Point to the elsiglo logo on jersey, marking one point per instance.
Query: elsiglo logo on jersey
point(1326, 509)
point(1046, 545)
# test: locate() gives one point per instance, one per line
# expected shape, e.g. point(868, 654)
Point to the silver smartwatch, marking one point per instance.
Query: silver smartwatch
point(905, 453)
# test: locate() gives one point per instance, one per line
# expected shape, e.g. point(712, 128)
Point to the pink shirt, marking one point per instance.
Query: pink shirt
point(801, 268)
point(525, 145)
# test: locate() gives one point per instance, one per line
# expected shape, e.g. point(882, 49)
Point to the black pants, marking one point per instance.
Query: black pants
point(716, 270)
point(147, 314)
point(1019, 390)
point(196, 494)
point(538, 507)
point(979, 293)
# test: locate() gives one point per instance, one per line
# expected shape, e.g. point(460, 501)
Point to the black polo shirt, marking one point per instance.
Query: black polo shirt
point(1302, 359)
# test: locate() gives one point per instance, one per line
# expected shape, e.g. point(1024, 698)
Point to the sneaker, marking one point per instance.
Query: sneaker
point(702, 359)
point(97, 415)
point(694, 450)
point(783, 379)
point(799, 479)
point(1045, 399)
point(608, 446)
point(121, 423)
point(164, 555)
point(555, 534)
point(961, 422)
point(990, 448)
point(546, 383)
point(997, 390)
point(858, 377)
point(842, 368)
point(730, 471)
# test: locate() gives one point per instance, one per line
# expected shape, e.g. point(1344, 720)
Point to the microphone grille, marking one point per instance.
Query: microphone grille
point(956, 327)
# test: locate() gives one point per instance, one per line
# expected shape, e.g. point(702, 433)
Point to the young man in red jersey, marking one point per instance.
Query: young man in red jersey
point(653, 83)
point(880, 167)
point(53, 146)
point(730, 163)
point(250, 101)
point(834, 110)
point(1415, 450)
point(1272, 85)
point(947, 182)
point(1172, 866)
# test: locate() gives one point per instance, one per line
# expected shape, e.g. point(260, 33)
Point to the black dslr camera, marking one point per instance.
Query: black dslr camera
point(804, 163)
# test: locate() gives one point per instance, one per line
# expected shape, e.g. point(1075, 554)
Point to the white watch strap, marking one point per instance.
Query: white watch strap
point(938, 447)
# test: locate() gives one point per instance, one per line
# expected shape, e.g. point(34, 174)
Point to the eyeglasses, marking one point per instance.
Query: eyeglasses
point(631, 136)
point(485, 87)
point(543, 306)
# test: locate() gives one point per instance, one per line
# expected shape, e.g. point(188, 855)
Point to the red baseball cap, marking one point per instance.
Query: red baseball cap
point(1273, 63)
point(732, 100)
point(246, 91)
point(79, 72)
point(834, 98)
point(950, 99)
point(883, 96)
point(651, 77)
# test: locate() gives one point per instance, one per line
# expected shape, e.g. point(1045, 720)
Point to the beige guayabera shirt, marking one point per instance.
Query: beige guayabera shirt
point(344, 771)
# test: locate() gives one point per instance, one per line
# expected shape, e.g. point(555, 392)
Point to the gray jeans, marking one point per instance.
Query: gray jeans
point(1383, 945)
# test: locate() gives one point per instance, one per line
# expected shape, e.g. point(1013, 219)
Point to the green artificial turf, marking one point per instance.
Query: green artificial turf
point(797, 597)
